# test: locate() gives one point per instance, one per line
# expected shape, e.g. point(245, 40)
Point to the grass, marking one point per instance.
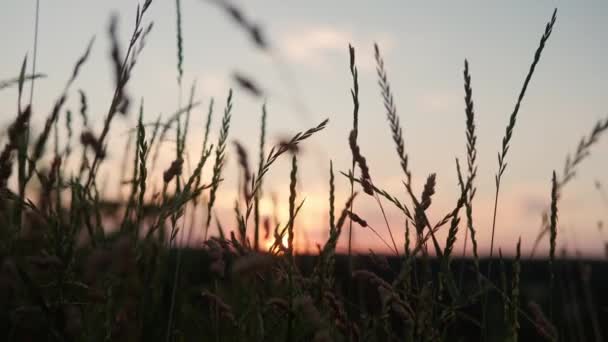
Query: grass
point(65, 277)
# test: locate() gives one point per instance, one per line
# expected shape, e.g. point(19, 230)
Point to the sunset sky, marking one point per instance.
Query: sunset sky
point(424, 47)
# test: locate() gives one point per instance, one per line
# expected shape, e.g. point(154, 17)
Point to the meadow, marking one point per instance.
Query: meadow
point(78, 266)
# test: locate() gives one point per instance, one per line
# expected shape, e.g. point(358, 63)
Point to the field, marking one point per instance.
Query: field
point(76, 265)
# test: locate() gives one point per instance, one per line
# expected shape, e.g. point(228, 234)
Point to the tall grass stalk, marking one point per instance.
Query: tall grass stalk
point(258, 194)
point(502, 163)
point(219, 159)
point(290, 246)
point(553, 232)
point(122, 77)
point(355, 98)
point(471, 166)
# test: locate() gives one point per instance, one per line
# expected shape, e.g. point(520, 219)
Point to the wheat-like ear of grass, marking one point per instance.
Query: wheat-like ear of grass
point(292, 201)
point(553, 232)
point(180, 42)
point(391, 112)
point(471, 166)
point(142, 153)
point(273, 155)
point(324, 268)
point(455, 220)
point(290, 247)
point(502, 164)
point(258, 194)
point(219, 159)
point(134, 179)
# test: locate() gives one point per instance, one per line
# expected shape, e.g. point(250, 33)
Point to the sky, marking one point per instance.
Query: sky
point(424, 45)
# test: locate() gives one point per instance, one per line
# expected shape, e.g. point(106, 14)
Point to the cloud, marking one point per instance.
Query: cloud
point(315, 46)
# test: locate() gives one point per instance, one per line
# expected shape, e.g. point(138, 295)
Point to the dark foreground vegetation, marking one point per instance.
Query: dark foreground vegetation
point(76, 267)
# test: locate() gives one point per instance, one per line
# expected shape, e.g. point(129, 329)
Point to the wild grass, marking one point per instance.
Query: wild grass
point(502, 163)
point(66, 276)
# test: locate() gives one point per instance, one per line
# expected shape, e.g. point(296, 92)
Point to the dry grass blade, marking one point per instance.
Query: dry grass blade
point(21, 82)
point(357, 219)
point(401, 206)
point(80, 62)
point(11, 82)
